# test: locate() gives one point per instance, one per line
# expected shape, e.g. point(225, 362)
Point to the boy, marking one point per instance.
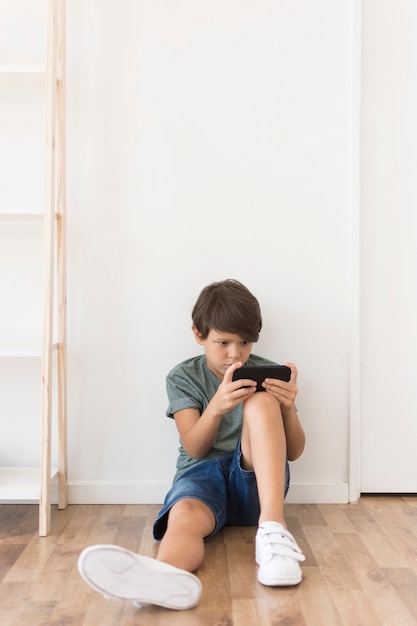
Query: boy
point(232, 467)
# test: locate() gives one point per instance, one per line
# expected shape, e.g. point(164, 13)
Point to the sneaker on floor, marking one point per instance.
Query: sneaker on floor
point(277, 555)
point(118, 573)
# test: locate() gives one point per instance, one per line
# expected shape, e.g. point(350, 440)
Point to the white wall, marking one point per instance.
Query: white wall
point(206, 140)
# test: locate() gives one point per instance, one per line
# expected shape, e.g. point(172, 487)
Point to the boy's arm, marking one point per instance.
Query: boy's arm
point(294, 433)
point(198, 432)
point(286, 393)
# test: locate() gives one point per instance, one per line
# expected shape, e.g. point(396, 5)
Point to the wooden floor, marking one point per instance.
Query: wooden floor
point(361, 568)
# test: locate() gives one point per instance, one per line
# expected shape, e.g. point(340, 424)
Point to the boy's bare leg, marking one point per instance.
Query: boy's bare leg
point(189, 522)
point(264, 450)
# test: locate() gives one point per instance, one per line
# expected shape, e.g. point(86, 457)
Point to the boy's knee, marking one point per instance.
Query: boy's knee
point(192, 512)
point(260, 402)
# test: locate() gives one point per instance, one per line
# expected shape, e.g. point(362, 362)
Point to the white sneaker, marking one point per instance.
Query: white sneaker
point(118, 573)
point(277, 555)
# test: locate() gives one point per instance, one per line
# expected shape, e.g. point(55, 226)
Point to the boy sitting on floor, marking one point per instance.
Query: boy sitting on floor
point(232, 467)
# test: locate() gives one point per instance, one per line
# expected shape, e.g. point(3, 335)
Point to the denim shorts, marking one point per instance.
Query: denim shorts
point(228, 490)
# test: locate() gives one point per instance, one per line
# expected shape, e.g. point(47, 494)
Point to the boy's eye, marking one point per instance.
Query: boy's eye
point(226, 343)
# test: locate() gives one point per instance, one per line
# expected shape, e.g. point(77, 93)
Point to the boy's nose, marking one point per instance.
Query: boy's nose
point(234, 351)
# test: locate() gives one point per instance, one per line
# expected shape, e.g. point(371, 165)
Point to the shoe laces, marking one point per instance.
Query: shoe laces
point(280, 542)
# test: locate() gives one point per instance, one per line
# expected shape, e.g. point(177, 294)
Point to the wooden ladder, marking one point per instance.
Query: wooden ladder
point(54, 260)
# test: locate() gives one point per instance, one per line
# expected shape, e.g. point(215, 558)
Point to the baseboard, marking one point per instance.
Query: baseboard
point(100, 492)
point(318, 493)
point(153, 493)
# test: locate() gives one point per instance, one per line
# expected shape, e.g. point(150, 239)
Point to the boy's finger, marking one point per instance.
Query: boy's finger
point(293, 371)
point(230, 370)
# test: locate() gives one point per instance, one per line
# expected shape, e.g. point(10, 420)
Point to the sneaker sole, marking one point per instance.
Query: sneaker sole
point(118, 573)
point(280, 582)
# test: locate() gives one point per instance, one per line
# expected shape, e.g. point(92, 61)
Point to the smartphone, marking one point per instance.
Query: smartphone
point(260, 372)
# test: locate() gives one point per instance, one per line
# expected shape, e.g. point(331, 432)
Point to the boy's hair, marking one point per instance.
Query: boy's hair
point(227, 306)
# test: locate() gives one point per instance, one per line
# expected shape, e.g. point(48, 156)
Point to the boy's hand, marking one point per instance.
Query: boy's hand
point(232, 392)
point(284, 392)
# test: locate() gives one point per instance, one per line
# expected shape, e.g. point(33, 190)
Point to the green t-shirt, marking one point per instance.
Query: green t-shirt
point(192, 385)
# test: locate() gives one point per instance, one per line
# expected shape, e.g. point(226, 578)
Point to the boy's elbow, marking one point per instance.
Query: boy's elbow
point(296, 451)
point(294, 456)
point(195, 453)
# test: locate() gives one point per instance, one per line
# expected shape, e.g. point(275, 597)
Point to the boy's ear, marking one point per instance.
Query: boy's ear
point(197, 335)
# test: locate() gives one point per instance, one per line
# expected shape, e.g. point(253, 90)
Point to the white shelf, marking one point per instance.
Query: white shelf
point(21, 213)
point(19, 351)
point(22, 69)
point(28, 93)
point(20, 484)
point(24, 350)
point(25, 77)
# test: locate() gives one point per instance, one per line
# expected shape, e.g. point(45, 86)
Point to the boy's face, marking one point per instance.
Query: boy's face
point(222, 349)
